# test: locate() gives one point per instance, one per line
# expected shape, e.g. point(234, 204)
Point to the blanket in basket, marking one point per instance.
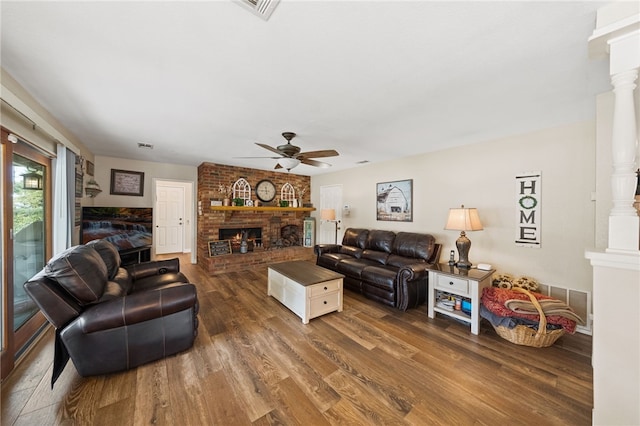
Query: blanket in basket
point(494, 300)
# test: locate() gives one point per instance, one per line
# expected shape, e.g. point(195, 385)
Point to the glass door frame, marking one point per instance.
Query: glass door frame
point(14, 343)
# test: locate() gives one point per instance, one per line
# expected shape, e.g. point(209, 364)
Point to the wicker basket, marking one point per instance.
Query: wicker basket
point(527, 336)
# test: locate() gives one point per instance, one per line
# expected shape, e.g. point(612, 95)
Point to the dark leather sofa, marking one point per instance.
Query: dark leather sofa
point(385, 266)
point(109, 318)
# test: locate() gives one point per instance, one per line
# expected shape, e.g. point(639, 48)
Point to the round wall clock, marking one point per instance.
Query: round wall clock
point(265, 190)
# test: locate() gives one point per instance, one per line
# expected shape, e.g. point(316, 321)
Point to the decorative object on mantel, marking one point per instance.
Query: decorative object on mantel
point(227, 192)
point(301, 191)
point(92, 189)
point(265, 191)
point(241, 189)
point(288, 194)
point(463, 219)
point(238, 202)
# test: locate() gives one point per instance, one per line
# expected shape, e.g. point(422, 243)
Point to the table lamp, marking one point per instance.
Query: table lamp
point(463, 219)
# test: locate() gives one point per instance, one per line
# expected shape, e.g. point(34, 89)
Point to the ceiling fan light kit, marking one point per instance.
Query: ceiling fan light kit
point(288, 163)
point(290, 155)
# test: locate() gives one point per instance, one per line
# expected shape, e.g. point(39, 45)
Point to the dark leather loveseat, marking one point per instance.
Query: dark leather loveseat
point(109, 318)
point(384, 266)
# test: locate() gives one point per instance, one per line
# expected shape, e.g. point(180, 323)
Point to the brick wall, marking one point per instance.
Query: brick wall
point(210, 177)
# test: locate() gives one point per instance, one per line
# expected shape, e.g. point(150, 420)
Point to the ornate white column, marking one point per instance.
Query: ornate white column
point(624, 224)
point(616, 270)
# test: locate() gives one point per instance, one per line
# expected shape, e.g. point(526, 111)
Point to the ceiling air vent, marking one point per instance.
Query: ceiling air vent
point(262, 8)
point(145, 145)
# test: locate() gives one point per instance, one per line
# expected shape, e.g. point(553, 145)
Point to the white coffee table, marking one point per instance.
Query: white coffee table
point(306, 289)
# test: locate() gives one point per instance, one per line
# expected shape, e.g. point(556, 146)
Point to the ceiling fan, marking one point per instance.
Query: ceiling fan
point(290, 155)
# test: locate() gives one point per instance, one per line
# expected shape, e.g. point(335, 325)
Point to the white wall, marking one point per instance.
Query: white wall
point(152, 172)
point(103, 166)
point(483, 176)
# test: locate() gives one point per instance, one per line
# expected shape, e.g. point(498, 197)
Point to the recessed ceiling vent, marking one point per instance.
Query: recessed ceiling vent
point(262, 8)
point(145, 145)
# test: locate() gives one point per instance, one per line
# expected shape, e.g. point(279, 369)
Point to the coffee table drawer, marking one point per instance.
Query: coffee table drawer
point(324, 288)
point(323, 304)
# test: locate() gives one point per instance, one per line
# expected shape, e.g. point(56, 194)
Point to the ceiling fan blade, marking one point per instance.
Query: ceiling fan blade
point(319, 154)
point(273, 158)
point(314, 163)
point(269, 148)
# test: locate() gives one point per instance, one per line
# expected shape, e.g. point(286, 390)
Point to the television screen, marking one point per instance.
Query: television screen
point(126, 227)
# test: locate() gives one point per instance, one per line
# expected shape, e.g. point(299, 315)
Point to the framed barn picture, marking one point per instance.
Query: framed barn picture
point(395, 201)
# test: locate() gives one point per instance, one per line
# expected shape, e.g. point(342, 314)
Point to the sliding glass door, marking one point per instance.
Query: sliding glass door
point(26, 227)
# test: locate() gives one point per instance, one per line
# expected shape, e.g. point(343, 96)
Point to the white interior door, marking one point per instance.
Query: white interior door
point(170, 219)
point(331, 198)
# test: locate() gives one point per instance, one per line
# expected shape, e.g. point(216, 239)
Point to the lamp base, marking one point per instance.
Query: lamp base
point(463, 244)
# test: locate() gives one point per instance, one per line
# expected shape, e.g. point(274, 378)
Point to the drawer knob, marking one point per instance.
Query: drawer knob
point(325, 287)
point(450, 282)
point(325, 302)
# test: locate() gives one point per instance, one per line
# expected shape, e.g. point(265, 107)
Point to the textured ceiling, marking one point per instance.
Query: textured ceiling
point(203, 81)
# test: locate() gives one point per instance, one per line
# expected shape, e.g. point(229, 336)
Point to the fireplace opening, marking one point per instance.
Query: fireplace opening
point(291, 235)
point(253, 235)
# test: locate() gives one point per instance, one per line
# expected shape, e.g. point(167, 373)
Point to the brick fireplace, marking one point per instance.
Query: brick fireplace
point(280, 235)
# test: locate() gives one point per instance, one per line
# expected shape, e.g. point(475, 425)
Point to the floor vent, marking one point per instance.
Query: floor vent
point(579, 300)
point(261, 8)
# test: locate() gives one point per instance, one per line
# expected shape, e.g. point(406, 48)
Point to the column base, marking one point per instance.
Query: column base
point(624, 233)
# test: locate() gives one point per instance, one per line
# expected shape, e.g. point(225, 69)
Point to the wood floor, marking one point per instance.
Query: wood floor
point(254, 362)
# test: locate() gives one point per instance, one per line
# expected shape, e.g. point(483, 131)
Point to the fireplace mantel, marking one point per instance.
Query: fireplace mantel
point(230, 210)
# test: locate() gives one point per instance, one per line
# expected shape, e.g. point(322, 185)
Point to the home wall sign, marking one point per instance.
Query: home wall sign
point(528, 209)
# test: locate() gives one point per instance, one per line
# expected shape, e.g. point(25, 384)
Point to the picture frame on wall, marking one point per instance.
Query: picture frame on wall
point(394, 201)
point(90, 168)
point(127, 182)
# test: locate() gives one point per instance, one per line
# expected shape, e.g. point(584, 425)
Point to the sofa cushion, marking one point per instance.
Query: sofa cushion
point(330, 260)
point(81, 271)
point(351, 251)
point(411, 244)
point(399, 261)
point(380, 276)
point(355, 237)
point(109, 254)
point(376, 256)
point(380, 240)
point(354, 267)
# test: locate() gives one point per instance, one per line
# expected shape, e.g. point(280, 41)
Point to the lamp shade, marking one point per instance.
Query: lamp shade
point(463, 219)
point(328, 214)
point(288, 163)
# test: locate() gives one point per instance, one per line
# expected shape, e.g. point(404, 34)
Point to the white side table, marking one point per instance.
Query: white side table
point(467, 283)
